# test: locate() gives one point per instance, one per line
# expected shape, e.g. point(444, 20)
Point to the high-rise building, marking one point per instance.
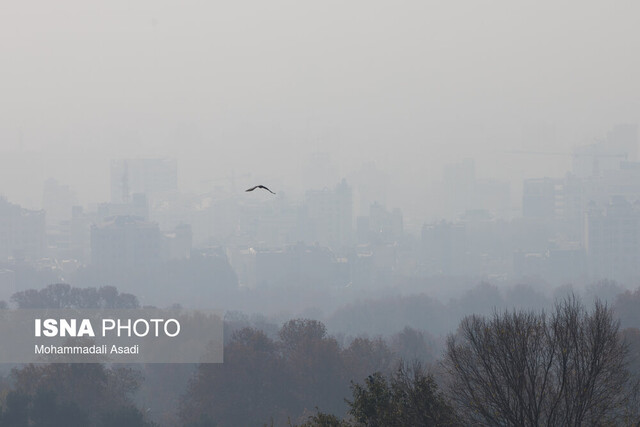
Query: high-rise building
point(123, 243)
point(330, 216)
point(612, 241)
point(137, 206)
point(371, 185)
point(57, 201)
point(148, 176)
point(540, 197)
point(554, 198)
point(22, 232)
point(381, 226)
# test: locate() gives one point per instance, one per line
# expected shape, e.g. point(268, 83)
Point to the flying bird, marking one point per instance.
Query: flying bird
point(260, 186)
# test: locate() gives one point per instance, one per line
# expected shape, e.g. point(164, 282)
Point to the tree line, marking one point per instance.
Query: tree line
point(566, 367)
point(572, 364)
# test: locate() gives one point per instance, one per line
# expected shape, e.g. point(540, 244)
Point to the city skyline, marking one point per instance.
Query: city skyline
point(409, 88)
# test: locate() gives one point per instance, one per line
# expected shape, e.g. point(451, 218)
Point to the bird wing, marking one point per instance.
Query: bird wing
point(262, 186)
point(252, 188)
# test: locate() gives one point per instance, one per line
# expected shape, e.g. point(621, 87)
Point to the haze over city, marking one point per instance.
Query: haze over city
point(260, 87)
point(383, 199)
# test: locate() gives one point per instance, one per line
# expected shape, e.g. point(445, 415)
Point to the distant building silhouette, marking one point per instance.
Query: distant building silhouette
point(463, 191)
point(125, 243)
point(380, 225)
point(22, 232)
point(621, 144)
point(540, 197)
point(138, 205)
point(57, 202)
point(330, 216)
point(177, 244)
point(612, 240)
point(148, 176)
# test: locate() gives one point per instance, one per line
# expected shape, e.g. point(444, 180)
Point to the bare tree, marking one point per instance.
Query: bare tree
point(525, 368)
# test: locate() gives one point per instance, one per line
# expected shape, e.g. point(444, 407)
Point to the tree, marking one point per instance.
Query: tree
point(249, 387)
point(626, 308)
point(411, 344)
point(298, 332)
point(41, 410)
point(364, 356)
point(314, 365)
point(96, 390)
point(324, 420)
point(526, 368)
point(262, 379)
point(408, 397)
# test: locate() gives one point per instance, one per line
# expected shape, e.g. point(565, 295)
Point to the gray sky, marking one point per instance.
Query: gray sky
point(260, 85)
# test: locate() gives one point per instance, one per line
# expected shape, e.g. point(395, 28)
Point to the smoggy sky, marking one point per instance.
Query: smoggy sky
point(258, 86)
